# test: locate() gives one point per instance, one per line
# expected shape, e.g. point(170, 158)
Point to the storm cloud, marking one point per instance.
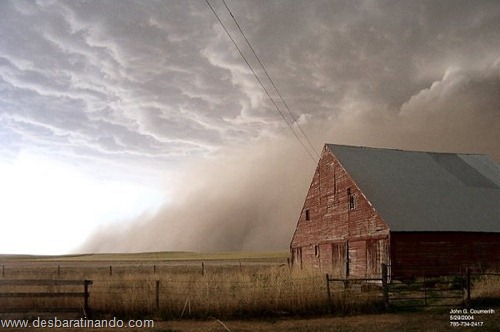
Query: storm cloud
point(158, 86)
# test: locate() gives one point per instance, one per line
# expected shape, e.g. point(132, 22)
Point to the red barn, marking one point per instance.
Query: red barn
point(418, 212)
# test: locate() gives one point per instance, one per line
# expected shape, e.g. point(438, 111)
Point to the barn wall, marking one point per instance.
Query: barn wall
point(341, 221)
point(438, 253)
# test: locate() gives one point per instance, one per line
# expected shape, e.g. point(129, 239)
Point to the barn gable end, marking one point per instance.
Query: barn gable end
point(368, 206)
point(338, 224)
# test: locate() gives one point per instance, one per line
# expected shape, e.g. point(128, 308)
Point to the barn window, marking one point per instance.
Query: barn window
point(308, 215)
point(352, 199)
point(316, 251)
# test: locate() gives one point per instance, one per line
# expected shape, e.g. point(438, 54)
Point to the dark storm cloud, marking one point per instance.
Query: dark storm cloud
point(159, 82)
point(167, 71)
point(381, 52)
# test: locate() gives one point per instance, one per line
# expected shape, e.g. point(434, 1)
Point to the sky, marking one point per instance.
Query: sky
point(129, 126)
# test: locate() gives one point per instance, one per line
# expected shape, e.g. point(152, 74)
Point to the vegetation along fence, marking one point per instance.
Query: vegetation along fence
point(450, 290)
point(181, 290)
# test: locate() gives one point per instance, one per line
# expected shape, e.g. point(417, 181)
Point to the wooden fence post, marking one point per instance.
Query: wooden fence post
point(329, 294)
point(86, 306)
point(345, 295)
point(202, 268)
point(110, 271)
point(58, 271)
point(385, 286)
point(157, 294)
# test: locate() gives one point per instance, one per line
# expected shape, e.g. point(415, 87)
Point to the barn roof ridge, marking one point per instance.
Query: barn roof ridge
point(426, 191)
point(405, 150)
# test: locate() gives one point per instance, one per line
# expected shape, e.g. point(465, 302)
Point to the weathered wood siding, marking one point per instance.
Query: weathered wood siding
point(436, 253)
point(337, 219)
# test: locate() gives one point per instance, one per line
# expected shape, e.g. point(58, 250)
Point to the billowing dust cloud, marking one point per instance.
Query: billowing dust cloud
point(243, 199)
point(249, 197)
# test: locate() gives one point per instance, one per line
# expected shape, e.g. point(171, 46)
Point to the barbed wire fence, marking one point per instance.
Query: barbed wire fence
point(204, 289)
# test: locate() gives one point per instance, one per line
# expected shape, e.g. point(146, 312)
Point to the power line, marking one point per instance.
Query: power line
point(270, 79)
point(259, 81)
point(261, 84)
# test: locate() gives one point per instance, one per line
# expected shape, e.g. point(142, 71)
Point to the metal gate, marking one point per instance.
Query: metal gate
point(424, 292)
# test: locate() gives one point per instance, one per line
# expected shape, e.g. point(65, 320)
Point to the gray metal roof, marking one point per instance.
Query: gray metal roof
point(426, 191)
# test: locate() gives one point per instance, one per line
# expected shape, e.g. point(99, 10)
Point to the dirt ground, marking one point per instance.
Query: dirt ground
point(389, 322)
point(381, 322)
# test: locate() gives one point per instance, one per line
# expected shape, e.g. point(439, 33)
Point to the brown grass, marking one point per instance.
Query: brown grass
point(219, 292)
point(225, 289)
point(487, 286)
point(222, 290)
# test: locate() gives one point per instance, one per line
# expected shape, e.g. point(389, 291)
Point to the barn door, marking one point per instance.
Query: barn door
point(376, 254)
point(340, 259)
point(356, 258)
point(373, 258)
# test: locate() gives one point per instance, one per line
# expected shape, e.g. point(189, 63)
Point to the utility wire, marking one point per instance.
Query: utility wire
point(270, 80)
point(261, 84)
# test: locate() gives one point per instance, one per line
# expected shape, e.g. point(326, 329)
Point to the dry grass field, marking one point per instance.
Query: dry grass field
point(181, 285)
point(221, 292)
